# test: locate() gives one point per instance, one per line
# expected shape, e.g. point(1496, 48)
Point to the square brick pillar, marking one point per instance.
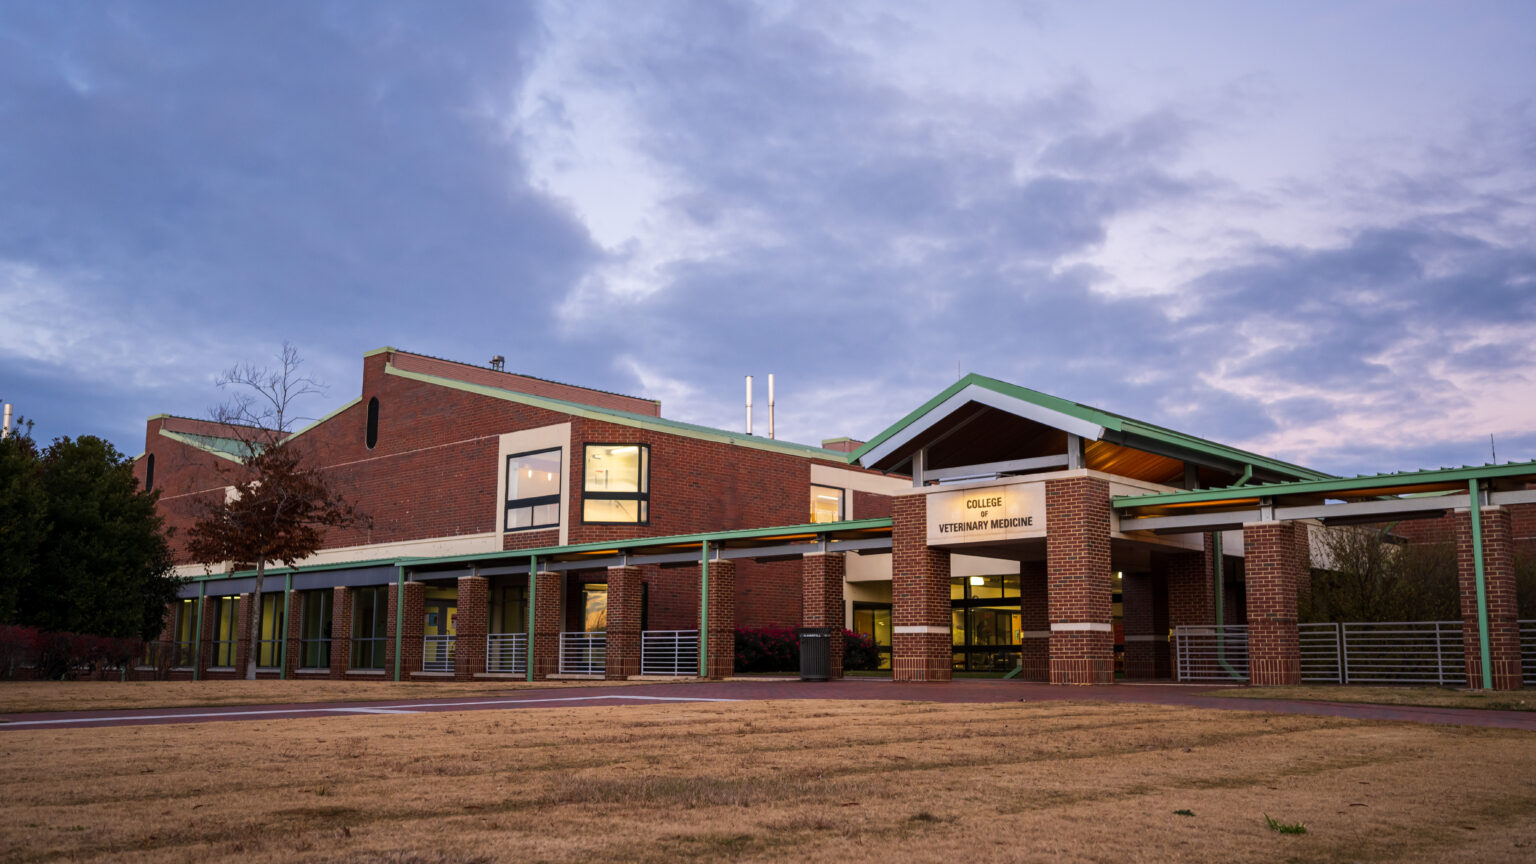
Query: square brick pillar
point(1499, 584)
point(1080, 601)
point(391, 609)
point(471, 621)
point(1141, 635)
point(1035, 621)
point(1191, 593)
point(821, 586)
point(293, 648)
point(548, 623)
point(722, 620)
point(243, 611)
point(411, 648)
point(341, 631)
point(625, 585)
point(1274, 564)
point(922, 647)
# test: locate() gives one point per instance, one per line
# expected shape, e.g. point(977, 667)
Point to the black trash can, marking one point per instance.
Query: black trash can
point(815, 653)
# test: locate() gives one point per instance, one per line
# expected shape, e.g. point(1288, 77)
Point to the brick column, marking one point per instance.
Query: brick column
point(341, 631)
point(206, 628)
point(470, 624)
point(1191, 593)
point(295, 623)
point(243, 612)
point(1140, 634)
point(391, 609)
point(921, 644)
point(548, 622)
point(625, 585)
point(1499, 584)
point(1035, 621)
point(821, 599)
point(722, 620)
point(1078, 569)
point(412, 635)
point(1273, 566)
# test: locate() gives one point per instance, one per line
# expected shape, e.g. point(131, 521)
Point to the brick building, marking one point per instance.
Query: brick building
point(522, 527)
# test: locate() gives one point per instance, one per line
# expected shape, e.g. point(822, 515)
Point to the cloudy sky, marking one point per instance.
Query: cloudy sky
point(1304, 228)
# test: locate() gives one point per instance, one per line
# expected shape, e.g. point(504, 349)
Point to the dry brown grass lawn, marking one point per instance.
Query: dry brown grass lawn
point(772, 781)
point(17, 697)
point(1433, 697)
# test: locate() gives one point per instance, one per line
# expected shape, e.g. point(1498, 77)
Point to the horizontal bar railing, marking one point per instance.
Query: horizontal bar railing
point(1211, 653)
point(1322, 658)
point(1528, 652)
point(583, 653)
point(506, 653)
point(669, 652)
point(437, 653)
point(1402, 652)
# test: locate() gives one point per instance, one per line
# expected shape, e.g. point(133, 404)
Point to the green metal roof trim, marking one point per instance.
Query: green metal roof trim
point(1331, 485)
point(674, 540)
point(1108, 419)
point(626, 418)
point(280, 571)
point(224, 448)
point(293, 435)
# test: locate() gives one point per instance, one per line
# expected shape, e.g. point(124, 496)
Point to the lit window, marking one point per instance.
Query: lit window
point(533, 490)
point(826, 504)
point(225, 625)
point(594, 607)
point(616, 484)
point(269, 647)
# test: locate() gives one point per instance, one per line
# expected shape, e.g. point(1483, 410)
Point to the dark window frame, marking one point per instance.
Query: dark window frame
point(324, 599)
point(842, 499)
point(639, 497)
point(536, 501)
point(371, 433)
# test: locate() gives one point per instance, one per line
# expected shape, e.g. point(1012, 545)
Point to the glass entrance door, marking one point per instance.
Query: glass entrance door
point(985, 624)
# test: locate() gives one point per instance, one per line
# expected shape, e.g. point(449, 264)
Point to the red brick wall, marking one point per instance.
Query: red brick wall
point(1136, 601)
point(1191, 593)
point(721, 633)
point(547, 624)
point(624, 589)
point(1499, 585)
point(919, 596)
point(1273, 564)
point(473, 619)
point(823, 604)
point(1078, 567)
point(1034, 618)
point(869, 505)
point(341, 631)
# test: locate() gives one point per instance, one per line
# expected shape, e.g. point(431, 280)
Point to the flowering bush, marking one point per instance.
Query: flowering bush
point(40, 654)
point(859, 651)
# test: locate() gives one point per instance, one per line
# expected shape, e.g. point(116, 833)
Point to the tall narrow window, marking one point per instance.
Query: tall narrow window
point(149, 472)
point(186, 632)
point(373, 422)
point(225, 624)
point(533, 490)
point(826, 504)
point(315, 629)
point(594, 607)
point(616, 486)
point(370, 613)
point(269, 648)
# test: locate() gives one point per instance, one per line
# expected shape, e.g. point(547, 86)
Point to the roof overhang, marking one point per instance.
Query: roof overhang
point(892, 450)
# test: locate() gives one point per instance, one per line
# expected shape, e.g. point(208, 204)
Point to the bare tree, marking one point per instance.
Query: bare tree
point(281, 505)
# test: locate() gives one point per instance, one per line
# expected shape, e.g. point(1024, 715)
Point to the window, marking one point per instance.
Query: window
point(149, 472)
point(509, 607)
point(269, 648)
point(373, 422)
point(874, 620)
point(315, 629)
point(985, 622)
point(533, 490)
point(826, 504)
point(616, 484)
point(594, 607)
point(226, 619)
point(185, 632)
point(370, 615)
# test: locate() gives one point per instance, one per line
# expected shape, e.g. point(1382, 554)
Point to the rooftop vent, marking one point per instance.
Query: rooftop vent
point(499, 363)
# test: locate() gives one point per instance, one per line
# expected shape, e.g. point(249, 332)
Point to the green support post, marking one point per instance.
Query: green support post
point(704, 609)
point(399, 616)
point(1482, 588)
point(282, 646)
point(533, 593)
point(197, 638)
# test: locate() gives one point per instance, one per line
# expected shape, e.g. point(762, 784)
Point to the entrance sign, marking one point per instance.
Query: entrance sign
point(987, 515)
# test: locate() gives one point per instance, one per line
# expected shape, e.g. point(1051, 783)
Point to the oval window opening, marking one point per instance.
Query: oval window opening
point(373, 422)
point(149, 472)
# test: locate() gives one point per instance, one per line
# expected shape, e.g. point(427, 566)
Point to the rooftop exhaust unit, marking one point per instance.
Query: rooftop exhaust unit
point(770, 405)
point(499, 363)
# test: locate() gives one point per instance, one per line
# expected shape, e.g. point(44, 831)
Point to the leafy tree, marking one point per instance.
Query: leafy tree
point(281, 505)
point(23, 519)
point(85, 550)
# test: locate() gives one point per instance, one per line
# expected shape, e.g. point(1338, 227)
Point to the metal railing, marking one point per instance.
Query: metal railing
point(583, 653)
point(669, 652)
point(1403, 652)
point(437, 653)
point(1528, 652)
point(1211, 653)
point(1322, 654)
point(506, 653)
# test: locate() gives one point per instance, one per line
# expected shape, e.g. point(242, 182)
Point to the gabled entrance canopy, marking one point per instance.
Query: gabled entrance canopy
point(981, 426)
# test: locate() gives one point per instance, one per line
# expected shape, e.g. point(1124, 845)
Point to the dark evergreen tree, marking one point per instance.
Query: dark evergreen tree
point(23, 519)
